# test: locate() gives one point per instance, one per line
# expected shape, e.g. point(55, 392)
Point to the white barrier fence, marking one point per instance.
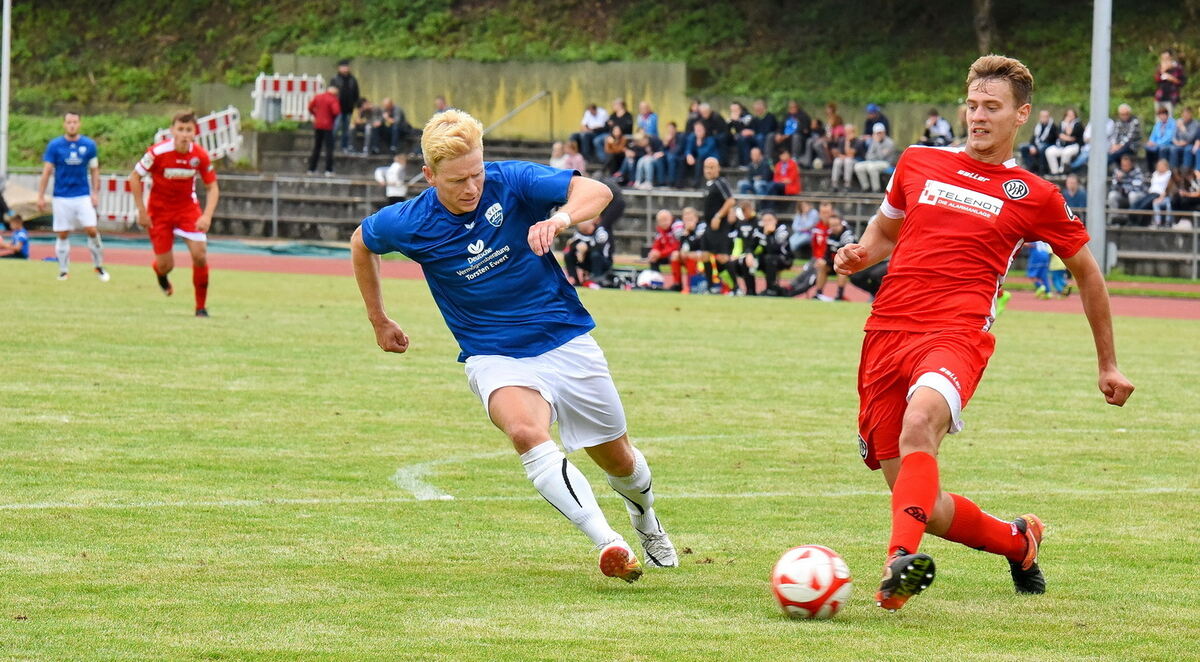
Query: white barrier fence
point(220, 134)
point(291, 92)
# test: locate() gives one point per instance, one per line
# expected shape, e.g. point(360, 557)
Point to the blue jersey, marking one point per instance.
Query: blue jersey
point(71, 159)
point(20, 240)
point(496, 296)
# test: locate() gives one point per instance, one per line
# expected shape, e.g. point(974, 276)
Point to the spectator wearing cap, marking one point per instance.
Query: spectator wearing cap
point(881, 155)
point(876, 116)
point(348, 96)
point(1160, 139)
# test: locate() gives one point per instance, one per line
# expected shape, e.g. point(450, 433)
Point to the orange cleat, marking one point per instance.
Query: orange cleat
point(1026, 575)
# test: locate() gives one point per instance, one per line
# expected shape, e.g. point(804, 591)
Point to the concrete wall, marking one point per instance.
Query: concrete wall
point(489, 90)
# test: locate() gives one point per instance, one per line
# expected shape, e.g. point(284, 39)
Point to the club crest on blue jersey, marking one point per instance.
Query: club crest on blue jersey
point(494, 214)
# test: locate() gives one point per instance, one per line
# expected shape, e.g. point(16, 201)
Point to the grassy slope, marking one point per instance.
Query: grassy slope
point(153, 422)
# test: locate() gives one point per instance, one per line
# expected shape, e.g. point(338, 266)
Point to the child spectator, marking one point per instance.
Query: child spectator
point(1058, 277)
point(1038, 268)
point(1161, 188)
point(1161, 138)
point(558, 156)
point(18, 246)
point(786, 180)
point(572, 159)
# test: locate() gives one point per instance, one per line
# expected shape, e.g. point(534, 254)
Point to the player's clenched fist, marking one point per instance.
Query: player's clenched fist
point(541, 235)
point(391, 337)
point(849, 259)
point(1115, 387)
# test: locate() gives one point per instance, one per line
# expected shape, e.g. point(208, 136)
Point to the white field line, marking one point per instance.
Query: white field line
point(258, 503)
point(411, 477)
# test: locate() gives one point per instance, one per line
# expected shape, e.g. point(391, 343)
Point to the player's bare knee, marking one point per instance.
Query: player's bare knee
point(525, 435)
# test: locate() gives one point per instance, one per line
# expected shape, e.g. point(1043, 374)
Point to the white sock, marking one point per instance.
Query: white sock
point(62, 249)
point(97, 249)
point(562, 484)
point(639, 499)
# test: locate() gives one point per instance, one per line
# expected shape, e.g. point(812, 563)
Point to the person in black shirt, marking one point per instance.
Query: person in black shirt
point(840, 235)
point(776, 253)
point(718, 203)
point(588, 256)
point(747, 239)
point(348, 96)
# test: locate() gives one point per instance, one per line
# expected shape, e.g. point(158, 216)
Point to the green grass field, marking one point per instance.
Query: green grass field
point(231, 488)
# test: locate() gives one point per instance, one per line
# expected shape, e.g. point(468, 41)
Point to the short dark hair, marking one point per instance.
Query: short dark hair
point(185, 117)
point(344, 62)
point(71, 112)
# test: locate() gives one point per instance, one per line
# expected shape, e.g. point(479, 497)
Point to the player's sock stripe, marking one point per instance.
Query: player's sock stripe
point(560, 512)
point(648, 487)
point(641, 511)
point(568, 482)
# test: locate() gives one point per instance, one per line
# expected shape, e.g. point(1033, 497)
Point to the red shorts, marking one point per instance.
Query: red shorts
point(895, 363)
point(163, 226)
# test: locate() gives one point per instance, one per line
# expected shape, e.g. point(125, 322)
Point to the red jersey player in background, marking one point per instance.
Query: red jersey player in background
point(173, 210)
point(952, 221)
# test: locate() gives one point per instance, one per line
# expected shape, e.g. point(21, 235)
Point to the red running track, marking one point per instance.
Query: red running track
point(1155, 307)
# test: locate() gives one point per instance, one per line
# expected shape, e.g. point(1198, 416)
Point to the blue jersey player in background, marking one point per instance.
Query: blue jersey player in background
point(483, 233)
point(73, 161)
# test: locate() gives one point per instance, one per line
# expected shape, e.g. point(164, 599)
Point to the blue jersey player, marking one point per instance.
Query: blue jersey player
point(73, 161)
point(483, 234)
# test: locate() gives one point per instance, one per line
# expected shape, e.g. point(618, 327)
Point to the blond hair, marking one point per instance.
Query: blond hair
point(448, 135)
point(999, 67)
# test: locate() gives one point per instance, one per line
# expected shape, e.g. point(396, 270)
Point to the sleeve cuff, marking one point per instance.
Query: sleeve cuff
point(888, 210)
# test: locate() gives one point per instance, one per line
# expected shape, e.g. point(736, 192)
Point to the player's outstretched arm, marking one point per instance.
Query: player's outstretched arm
point(388, 334)
point(586, 198)
point(875, 246)
point(136, 190)
point(1094, 293)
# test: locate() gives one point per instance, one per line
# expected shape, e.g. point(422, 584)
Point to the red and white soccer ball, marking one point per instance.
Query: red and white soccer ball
point(811, 581)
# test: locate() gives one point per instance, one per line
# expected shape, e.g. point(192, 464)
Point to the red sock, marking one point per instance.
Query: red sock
point(200, 282)
point(979, 530)
point(690, 266)
point(913, 497)
point(675, 269)
point(154, 266)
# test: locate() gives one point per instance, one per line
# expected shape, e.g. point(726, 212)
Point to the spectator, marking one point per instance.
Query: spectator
point(1126, 137)
point(618, 117)
point(718, 206)
point(699, 149)
point(845, 155)
point(716, 128)
point(1074, 194)
point(395, 179)
point(558, 156)
point(776, 255)
point(693, 116)
point(960, 123)
point(371, 117)
point(614, 150)
point(741, 132)
point(1161, 190)
point(440, 105)
point(691, 251)
point(593, 124)
point(671, 165)
point(937, 130)
point(1037, 268)
point(1189, 192)
point(614, 213)
point(665, 247)
point(588, 256)
point(1066, 144)
point(759, 175)
point(347, 91)
point(802, 226)
point(572, 159)
point(18, 246)
point(795, 129)
point(786, 180)
point(840, 235)
point(647, 119)
point(1129, 188)
point(1110, 127)
point(396, 126)
point(876, 116)
point(815, 152)
point(765, 125)
point(1168, 80)
point(1161, 138)
point(1181, 153)
point(835, 126)
point(881, 156)
point(1034, 151)
point(649, 152)
point(325, 110)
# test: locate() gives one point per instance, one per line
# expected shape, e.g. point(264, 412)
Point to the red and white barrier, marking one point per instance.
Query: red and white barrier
point(294, 93)
point(220, 133)
point(116, 200)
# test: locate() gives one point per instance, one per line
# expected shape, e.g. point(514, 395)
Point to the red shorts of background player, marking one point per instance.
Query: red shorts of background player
point(895, 363)
point(163, 230)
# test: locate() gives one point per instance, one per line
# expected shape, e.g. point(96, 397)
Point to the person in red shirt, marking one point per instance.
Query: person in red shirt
point(787, 175)
point(665, 249)
point(173, 165)
point(952, 221)
point(324, 109)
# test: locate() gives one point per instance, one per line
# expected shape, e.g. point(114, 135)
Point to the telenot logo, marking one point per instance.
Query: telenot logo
point(475, 248)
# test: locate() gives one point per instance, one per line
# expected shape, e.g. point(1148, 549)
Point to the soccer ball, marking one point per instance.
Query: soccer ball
point(811, 581)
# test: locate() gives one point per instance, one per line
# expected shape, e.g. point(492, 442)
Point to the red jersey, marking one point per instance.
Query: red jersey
point(788, 173)
point(173, 191)
point(820, 240)
point(666, 241)
point(964, 221)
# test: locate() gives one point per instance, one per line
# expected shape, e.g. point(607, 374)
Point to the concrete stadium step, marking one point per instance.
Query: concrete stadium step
point(264, 204)
point(233, 223)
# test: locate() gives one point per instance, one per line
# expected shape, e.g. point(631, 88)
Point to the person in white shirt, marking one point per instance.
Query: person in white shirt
point(594, 122)
point(1160, 188)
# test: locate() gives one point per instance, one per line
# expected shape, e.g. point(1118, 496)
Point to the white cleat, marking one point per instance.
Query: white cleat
point(660, 553)
point(62, 275)
point(102, 275)
point(617, 560)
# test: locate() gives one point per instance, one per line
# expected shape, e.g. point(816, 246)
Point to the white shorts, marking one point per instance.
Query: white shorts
point(73, 213)
point(573, 378)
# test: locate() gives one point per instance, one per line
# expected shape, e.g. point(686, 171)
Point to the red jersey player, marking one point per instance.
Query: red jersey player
point(173, 210)
point(952, 221)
